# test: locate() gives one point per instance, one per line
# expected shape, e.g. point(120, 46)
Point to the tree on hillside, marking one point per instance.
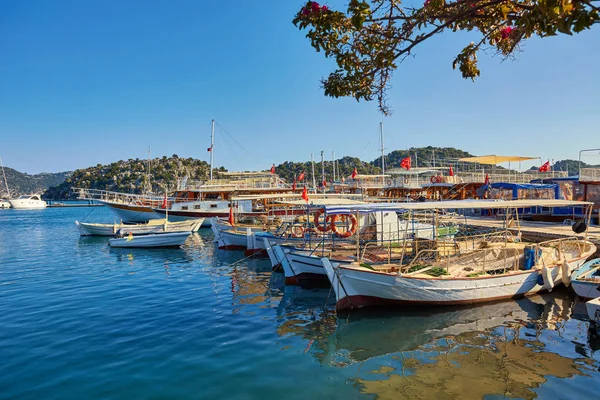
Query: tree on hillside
point(370, 38)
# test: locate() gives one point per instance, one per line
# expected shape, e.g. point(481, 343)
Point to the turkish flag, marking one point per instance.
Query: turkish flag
point(487, 179)
point(451, 172)
point(305, 194)
point(324, 183)
point(209, 149)
point(294, 186)
point(164, 203)
point(405, 163)
point(273, 169)
point(545, 167)
point(231, 220)
point(354, 173)
point(301, 176)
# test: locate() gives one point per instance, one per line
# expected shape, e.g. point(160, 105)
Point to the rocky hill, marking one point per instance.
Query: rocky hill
point(131, 176)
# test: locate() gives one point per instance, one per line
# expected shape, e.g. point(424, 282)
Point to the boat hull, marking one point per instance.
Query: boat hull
point(27, 204)
point(586, 288)
point(132, 214)
point(357, 288)
point(86, 229)
point(175, 239)
point(305, 268)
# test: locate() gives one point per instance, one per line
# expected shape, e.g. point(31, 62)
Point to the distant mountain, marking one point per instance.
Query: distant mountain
point(20, 183)
point(131, 176)
point(422, 156)
point(344, 167)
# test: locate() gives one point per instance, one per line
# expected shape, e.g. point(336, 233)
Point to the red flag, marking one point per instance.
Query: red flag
point(545, 167)
point(405, 163)
point(451, 172)
point(231, 220)
point(273, 169)
point(301, 176)
point(164, 203)
point(354, 173)
point(294, 186)
point(305, 194)
point(487, 179)
point(324, 183)
point(209, 149)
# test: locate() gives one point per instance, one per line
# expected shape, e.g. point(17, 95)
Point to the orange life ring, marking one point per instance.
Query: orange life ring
point(296, 231)
point(326, 227)
point(349, 232)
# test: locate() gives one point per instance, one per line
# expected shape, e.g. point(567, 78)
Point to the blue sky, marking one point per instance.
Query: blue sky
point(85, 82)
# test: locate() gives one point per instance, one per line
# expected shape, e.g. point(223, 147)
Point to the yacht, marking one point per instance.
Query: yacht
point(28, 202)
point(4, 203)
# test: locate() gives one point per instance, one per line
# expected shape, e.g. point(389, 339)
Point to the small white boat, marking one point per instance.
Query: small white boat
point(586, 279)
point(153, 226)
point(28, 202)
point(593, 310)
point(4, 203)
point(174, 239)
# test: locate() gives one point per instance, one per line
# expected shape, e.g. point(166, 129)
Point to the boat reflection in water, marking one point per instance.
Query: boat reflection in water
point(509, 349)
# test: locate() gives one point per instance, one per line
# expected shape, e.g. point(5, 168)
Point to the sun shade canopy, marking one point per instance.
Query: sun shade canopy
point(451, 205)
point(493, 159)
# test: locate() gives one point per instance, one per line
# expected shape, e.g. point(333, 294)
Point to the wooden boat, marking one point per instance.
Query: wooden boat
point(173, 239)
point(153, 226)
point(586, 279)
point(466, 271)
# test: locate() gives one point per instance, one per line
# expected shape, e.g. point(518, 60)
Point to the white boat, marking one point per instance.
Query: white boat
point(586, 280)
point(153, 226)
point(593, 310)
point(28, 202)
point(472, 271)
point(4, 203)
point(174, 239)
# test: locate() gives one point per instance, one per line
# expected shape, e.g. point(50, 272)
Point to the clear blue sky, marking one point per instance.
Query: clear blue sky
point(88, 82)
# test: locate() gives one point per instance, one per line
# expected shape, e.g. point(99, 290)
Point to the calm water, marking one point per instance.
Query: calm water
point(79, 320)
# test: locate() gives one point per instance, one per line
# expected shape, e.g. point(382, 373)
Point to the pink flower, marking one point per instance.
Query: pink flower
point(426, 2)
point(324, 9)
point(315, 6)
point(506, 31)
point(305, 11)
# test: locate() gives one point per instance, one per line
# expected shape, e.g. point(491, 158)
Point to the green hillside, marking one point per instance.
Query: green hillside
point(20, 183)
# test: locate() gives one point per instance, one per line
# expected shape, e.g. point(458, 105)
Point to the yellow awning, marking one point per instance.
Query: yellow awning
point(493, 159)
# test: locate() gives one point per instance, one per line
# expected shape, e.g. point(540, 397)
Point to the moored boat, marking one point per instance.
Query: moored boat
point(153, 226)
point(28, 202)
point(586, 280)
point(173, 239)
point(498, 266)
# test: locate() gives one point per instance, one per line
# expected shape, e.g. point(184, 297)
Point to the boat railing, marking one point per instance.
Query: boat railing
point(572, 247)
point(589, 175)
point(116, 197)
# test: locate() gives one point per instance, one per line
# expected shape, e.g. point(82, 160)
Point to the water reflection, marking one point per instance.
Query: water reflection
point(506, 349)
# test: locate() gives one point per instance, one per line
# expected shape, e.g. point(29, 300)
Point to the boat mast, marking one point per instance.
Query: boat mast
point(333, 159)
point(322, 171)
point(382, 154)
point(149, 187)
point(212, 145)
point(4, 177)
point(312, 161)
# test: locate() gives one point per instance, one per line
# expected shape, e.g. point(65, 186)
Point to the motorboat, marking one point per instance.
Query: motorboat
point(4, 203)
point(172, 239)
point(153, 226)
point(28, 202)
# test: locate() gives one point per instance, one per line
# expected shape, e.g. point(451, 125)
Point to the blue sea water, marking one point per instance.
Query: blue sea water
point(82, 320)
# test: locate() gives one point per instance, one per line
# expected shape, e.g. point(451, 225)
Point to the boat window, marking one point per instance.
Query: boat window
point(213, 206)
point(24, 197)
point(197, 207)
point(184, 207)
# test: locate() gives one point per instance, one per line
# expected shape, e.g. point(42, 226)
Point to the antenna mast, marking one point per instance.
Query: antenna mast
point(212, 145)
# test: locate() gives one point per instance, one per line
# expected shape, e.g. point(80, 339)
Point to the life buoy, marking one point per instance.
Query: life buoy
point(349, 232)
point(326, 227)
point(297, 231)
point(405, 179)
point(432, 180)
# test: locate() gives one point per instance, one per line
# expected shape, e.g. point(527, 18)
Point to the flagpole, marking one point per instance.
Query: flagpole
point(312, 161)
point(333, 159)
point(382, 155)
point(212, 144)
point(322, 170)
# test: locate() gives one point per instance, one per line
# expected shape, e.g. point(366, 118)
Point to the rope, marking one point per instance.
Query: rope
point(88, 214)
point(243, 259)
